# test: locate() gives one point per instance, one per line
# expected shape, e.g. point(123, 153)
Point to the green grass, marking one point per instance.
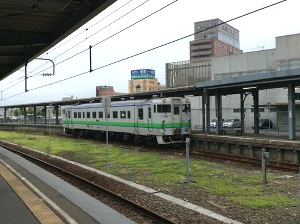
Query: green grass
point(243, 186)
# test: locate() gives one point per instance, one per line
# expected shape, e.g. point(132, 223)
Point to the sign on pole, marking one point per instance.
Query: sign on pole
point(106, 104)
point(106, 101)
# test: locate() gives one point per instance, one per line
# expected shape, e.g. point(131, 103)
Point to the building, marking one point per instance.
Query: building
point(186, 73)
point(105, 91)
point(272, 102)
point(143, 80)
point(214, 38)
point(212, 60)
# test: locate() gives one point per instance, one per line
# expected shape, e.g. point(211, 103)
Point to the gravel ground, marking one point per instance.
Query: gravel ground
point(287, 183)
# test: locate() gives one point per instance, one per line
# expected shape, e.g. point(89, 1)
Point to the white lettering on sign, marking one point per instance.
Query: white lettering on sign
point(206, 26)
point(228, 30)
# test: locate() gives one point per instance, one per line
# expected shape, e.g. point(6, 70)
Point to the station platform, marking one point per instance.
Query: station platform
point(30, 195)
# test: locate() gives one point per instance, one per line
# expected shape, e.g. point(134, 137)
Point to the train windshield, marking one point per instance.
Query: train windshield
point(165, 108)
point(186, 108)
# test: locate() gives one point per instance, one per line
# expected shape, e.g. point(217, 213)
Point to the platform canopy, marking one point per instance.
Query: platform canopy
point(29, 28)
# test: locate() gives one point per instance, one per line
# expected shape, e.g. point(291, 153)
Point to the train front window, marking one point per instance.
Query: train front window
point(186, 108)
point(164, 108)
point(176, 110)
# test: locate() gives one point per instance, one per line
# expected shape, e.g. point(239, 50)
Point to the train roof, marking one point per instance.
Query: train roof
point(152, 100)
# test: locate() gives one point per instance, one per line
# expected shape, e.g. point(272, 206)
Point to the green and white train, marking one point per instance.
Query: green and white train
point(155, 121)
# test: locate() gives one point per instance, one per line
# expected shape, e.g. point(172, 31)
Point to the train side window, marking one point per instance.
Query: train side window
point(176, 110)
point(83, 114)
point(128, 114)
point(149, 112)
point(69, 114)
point(100, 114)
point(79, 114)
point(141, 113)
point(115, 114)
point(75, 115)
point(154, 108)
point(94, 114)
point(88, 114)
point(123, 114)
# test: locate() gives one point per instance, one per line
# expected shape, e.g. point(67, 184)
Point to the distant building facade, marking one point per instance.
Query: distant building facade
point(214, 38)
point(105, 91)
point(143, 80)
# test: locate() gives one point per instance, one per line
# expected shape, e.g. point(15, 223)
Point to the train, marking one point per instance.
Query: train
point(152, 121)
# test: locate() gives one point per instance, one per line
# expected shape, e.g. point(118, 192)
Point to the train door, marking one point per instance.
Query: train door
point(68, 120)
point(139, 120)
point(177, 118)
point(149, 123)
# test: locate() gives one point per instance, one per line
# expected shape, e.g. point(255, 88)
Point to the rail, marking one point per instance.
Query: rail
point(70, 173)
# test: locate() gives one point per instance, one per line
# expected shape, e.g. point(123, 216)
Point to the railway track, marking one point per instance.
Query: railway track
point(257, 162)
point(246, 160)
point(129, 207)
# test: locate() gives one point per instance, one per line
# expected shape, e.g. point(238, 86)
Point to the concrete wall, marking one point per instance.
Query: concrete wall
point(243, 64)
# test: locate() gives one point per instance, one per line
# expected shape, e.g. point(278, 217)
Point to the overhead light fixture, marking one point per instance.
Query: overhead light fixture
point(252, 87)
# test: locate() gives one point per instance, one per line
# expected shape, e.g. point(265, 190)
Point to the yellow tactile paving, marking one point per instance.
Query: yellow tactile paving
point(41, 211)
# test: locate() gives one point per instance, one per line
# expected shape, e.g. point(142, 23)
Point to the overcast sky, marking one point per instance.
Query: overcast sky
point(257, 31)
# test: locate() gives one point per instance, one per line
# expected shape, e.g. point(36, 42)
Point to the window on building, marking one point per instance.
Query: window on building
point(259, 110)
point(238, 110)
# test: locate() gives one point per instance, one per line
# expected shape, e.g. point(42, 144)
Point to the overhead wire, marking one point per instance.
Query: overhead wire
point(94, 33)
point(59, 45)
point(90, 26)
point(109, 36)
point(154, 48)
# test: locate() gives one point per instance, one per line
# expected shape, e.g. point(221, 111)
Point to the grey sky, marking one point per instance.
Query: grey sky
point(257, 31)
